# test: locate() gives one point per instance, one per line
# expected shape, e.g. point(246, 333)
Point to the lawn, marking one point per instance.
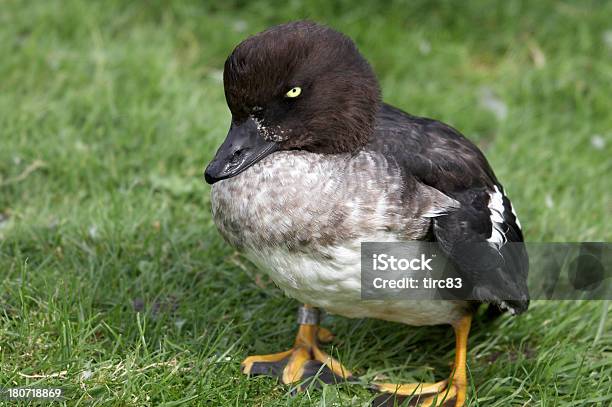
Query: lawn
point(115, 284)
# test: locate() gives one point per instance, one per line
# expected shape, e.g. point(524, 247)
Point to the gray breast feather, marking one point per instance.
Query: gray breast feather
point(302, 201)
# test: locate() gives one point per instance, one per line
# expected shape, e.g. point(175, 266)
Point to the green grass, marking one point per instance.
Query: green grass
point(115, 284)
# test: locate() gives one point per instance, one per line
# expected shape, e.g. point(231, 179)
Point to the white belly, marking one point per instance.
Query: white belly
point(332, 281)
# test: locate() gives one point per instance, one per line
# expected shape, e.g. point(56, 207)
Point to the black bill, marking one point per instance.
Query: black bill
point(243, 147)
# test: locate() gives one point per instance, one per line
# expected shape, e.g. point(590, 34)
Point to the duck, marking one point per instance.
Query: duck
point(315, 164)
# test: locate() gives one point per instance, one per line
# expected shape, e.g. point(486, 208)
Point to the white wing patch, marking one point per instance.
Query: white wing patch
point(496, 208)
point(516, 219)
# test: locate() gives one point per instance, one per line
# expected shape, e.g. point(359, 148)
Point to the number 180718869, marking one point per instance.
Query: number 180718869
point(31, 393)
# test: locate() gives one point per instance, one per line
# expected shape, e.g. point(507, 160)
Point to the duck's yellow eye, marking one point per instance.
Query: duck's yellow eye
point(294, 92)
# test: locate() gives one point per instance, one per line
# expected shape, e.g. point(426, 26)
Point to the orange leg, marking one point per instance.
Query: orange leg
point(451, 392)
point(302, 361)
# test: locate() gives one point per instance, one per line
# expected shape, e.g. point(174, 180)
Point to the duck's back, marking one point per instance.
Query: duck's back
point(483, 235)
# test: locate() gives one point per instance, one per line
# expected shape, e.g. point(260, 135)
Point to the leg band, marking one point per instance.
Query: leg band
point(308, 316)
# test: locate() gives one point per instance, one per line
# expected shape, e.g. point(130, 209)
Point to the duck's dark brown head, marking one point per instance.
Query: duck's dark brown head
point(301, 86)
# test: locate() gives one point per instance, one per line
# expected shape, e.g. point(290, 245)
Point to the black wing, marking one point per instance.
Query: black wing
point(483, 236)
